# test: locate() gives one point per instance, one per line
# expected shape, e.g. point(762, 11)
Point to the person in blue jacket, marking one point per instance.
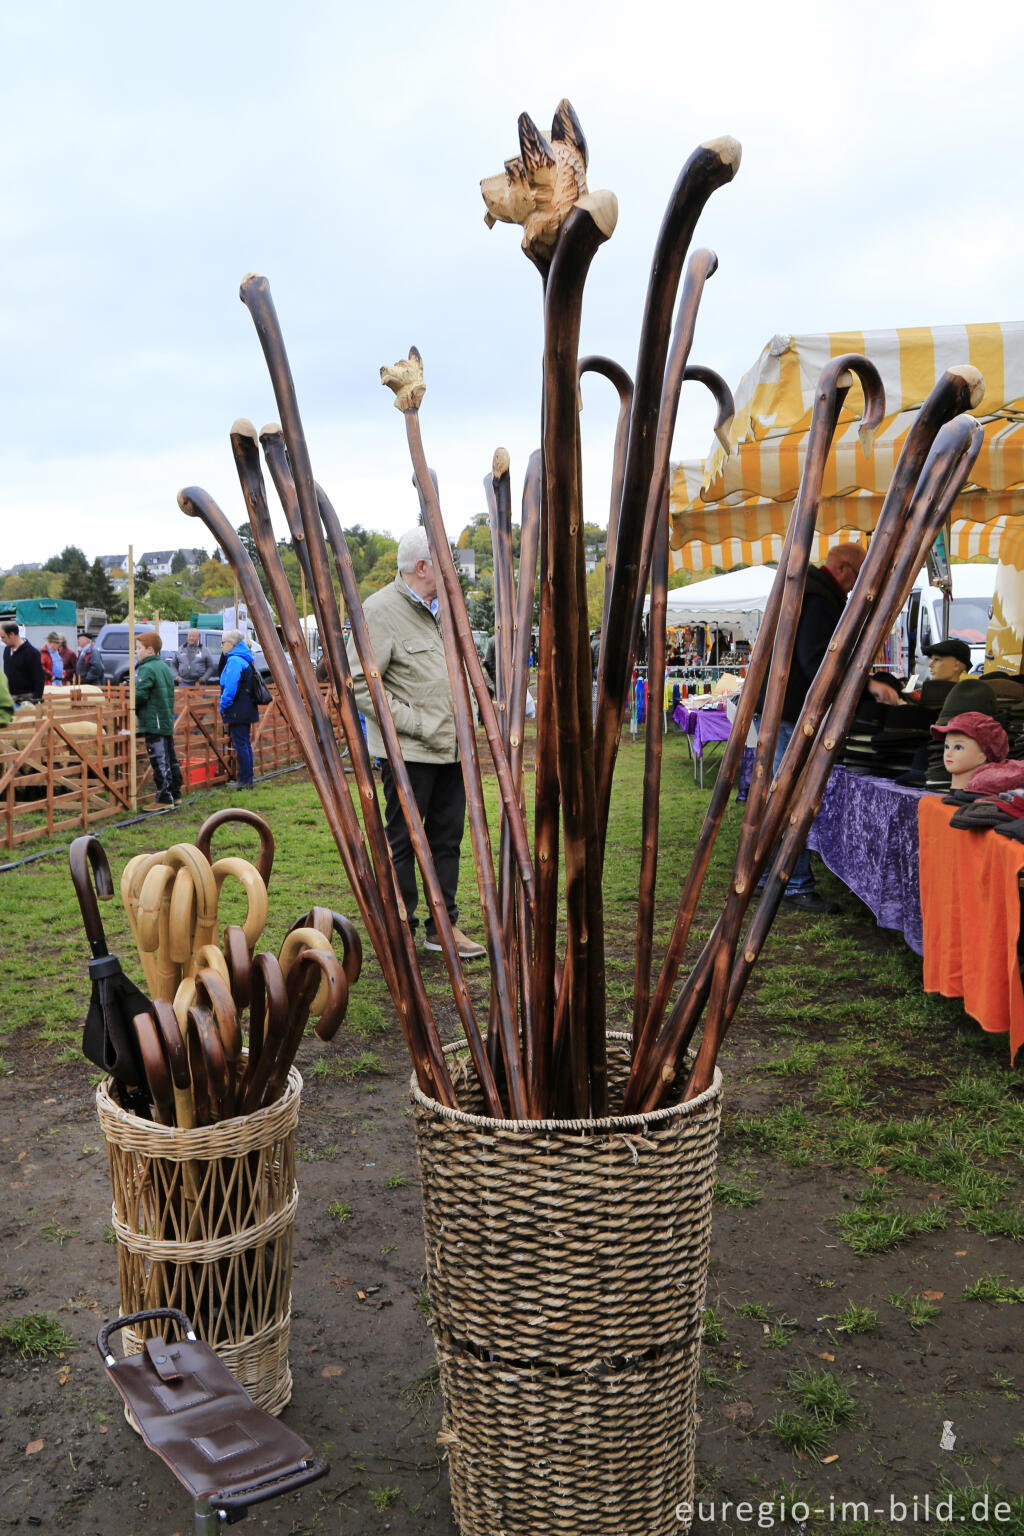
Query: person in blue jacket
point(237, 706)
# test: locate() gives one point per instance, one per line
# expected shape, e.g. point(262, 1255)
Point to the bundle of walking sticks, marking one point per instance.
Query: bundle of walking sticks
point(543, 1054)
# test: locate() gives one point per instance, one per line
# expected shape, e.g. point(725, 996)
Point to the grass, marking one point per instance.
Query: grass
point(423, 1306)
point(383, 1498)
point(55, 1233)
point(869, 1231)
point(397, 1181)
point(919, 1311)
point(755, 1310)
point(779, 1335)
point(713, 1328)
point(735, 1194)
point(855, 1319)
point(422, 1390)
point(991, 1288)
point(824, 1396)
point(341, 1210)
point(800, 1433)
point(37, 1336)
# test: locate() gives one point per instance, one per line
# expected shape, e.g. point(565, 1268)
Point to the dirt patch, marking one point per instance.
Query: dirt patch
point(364, 1394)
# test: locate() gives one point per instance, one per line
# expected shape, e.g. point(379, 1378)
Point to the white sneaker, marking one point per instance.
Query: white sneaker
point(468, 948)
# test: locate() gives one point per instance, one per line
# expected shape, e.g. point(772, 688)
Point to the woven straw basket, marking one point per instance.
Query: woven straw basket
point(566, 1266)
point(204, 1221)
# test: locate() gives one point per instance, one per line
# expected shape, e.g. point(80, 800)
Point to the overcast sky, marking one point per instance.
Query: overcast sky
point(151, 156)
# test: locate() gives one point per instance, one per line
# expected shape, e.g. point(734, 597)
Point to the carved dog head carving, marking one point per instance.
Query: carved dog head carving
point(539, 187)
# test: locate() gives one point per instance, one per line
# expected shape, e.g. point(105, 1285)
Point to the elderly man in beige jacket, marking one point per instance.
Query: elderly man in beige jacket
point(402, 620)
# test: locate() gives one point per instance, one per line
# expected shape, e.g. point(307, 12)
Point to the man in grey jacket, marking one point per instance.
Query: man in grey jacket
point(194, 662)
point(402, 620)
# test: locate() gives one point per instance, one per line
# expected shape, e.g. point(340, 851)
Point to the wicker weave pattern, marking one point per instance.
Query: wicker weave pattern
point(566, 1267)
point(204, 1221)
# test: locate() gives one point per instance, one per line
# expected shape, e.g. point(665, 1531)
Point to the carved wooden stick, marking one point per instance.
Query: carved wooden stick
point(280, 469)
point(410, 992)
point(701, 265)
point(344, 828)
point(709, 167)
point(956, 447)
point(649, 817)
point(623, 384)
point(406, 380)
point(958, 388)
point(803, 516)
point(583, 231)
point(417, 835)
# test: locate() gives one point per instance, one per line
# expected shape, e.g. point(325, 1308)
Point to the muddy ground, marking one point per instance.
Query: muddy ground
point(362, 1393)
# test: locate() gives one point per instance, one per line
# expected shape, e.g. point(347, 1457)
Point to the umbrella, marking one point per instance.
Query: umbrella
point(108, 1038)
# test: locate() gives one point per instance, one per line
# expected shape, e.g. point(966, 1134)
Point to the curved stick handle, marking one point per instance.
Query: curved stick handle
point(265, 860)
point(255, 887)
point(330, 923)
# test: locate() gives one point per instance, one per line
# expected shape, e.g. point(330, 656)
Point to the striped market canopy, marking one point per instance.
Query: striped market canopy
point(729, 511)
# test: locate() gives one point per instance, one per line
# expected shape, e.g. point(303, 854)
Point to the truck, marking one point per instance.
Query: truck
point(970, 608)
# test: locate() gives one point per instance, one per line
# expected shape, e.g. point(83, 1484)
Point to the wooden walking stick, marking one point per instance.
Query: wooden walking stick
point(347, 836)
point(955, 449)
point(623, 384)
point(709, 167)
point(410, 987)
point(405, 379)
point(957, 388)
point(382, 709)
point(584, 230)
point(804, 514)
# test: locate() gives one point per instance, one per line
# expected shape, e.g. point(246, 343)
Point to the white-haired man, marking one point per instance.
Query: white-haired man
point(402, 620)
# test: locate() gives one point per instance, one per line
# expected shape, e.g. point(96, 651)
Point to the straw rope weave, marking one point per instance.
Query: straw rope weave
point(204, 1220)
point(566, 1267)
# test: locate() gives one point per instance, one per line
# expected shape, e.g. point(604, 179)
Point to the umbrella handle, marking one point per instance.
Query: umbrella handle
point(88, 861)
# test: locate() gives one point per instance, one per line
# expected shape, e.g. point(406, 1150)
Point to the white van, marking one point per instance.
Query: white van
point(970, 609)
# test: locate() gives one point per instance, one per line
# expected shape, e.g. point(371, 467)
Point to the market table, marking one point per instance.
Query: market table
point(970, 900)
point(703, 728)
point(867, 834)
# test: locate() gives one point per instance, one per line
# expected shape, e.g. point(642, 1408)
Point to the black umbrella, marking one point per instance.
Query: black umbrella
point(108, 1038)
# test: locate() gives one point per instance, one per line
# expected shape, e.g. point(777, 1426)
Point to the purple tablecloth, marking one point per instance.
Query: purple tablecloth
point(866, 832)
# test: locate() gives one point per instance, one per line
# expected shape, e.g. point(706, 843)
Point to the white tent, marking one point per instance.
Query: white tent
point(734, 602)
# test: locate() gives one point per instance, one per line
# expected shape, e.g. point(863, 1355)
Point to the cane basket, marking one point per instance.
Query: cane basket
point(566, 1267)
point(204, 1221)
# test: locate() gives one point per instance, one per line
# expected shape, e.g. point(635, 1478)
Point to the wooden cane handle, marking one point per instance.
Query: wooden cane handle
point(294, 943)
point(258, 907)
point(265, 860)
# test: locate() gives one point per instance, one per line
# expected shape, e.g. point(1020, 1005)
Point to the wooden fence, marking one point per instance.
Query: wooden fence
point(64, 763)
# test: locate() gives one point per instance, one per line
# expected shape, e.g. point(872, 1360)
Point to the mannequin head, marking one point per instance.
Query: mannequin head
point(969, 742)
point(950, 660)
point(961, 757)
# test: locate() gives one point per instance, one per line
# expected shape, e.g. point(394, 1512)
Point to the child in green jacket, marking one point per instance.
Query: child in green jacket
point(154, 709)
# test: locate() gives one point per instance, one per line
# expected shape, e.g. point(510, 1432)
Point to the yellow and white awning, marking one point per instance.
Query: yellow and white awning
point(737, 507)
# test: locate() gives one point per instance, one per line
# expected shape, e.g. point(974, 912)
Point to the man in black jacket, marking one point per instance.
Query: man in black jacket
point(825, 592)
point(22, 665)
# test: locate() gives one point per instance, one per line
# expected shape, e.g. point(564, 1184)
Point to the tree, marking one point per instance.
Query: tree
point(215, 579)
point(99, 592)
point(71, 558)
point(143, 578)
point(178, 563)
point(217, 555)
point(166, 597)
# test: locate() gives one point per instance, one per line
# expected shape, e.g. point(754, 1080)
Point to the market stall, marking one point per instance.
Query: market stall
point(732, 509)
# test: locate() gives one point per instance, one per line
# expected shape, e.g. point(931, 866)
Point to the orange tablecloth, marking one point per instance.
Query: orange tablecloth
point(970, 906)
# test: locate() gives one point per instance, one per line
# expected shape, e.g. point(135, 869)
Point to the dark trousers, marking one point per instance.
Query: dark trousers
point(441, 797)
point(241, 741)
point(164, 762)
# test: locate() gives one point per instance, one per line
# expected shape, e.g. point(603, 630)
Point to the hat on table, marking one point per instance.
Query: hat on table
point(988, 733)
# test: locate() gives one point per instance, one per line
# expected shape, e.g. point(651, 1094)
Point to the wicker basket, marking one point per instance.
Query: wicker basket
point(566, 1266)
point(204, 1221)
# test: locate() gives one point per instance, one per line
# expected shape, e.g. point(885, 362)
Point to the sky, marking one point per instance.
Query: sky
point(151, 156)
